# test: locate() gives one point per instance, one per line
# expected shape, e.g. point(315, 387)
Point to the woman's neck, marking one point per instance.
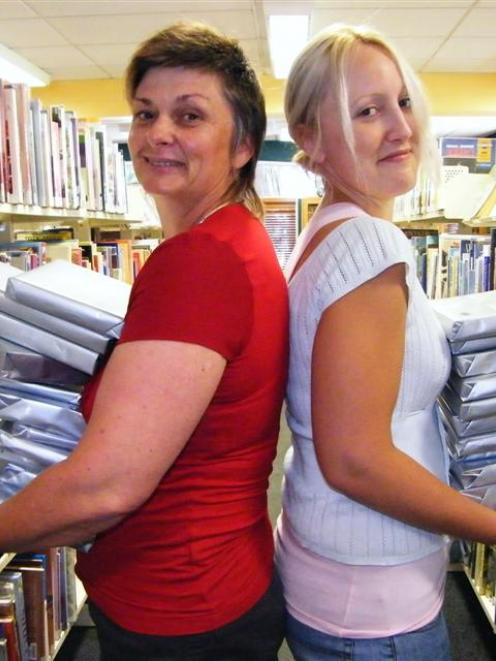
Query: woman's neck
point(372, 206)
point(176, 218)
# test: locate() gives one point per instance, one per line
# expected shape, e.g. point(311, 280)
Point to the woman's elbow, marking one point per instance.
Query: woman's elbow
point(346, 472)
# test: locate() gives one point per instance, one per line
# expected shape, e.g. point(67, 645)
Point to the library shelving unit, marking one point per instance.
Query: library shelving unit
point(14, 216)
point(487, 603)
point(81, 600)
point(5, 558)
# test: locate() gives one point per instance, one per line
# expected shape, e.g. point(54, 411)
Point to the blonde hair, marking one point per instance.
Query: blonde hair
point(320, 71)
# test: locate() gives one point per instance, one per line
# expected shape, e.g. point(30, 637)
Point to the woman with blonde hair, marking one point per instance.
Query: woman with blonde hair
point(360, 543)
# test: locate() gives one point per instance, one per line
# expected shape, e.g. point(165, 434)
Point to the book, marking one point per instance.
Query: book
point(47, 165)
point(75, 294)
point(36, 151)
point(13, 149)
point(34, 577)
point(465, 317)
point(23, 98)
point(48, 344)
point(11, 585)
point(8, 621)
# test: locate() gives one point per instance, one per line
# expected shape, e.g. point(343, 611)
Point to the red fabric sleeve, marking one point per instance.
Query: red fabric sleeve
point(193, 288)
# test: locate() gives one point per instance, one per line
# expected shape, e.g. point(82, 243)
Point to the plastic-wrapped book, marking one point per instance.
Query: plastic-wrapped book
point(50, 345)
point(17, 362)
point(475, 364)
point(471, 388)
point(69, 331)
point(467, 317)
point(77, 295)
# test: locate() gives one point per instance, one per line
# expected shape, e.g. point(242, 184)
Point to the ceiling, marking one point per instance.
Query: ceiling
point(73, 39)
point(78, 39)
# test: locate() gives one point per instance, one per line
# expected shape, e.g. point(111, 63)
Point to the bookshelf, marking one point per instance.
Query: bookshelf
point(53, 641)
point(487, 603)
point(81, 600)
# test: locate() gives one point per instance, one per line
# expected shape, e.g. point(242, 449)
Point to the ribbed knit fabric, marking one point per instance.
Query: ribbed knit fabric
point(325, 521)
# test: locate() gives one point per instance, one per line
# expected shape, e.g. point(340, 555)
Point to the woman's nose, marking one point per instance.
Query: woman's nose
point(400, 127)
point(161, 131)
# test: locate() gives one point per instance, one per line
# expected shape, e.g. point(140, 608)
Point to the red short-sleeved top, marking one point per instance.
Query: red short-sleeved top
point(198, 554)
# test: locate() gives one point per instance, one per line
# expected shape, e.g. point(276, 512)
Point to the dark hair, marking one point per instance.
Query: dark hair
point(201, 47)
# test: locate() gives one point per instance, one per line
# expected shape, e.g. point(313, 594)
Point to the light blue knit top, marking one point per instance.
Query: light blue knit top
point(324, 520)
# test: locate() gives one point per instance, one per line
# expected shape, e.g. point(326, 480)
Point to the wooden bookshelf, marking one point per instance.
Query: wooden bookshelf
point(487, 604)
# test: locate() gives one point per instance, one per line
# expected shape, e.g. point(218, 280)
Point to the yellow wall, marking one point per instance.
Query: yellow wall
point(449, 94)
point(90, 99)
point(461, 93)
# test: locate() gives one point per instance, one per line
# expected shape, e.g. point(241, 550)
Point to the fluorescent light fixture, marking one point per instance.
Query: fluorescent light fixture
point(287, 36)
point(16, 69)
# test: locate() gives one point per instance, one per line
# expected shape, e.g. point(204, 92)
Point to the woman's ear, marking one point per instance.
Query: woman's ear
point(242, 154)
point(307, 137)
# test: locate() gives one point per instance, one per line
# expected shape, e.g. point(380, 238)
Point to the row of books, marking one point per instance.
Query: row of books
point(49, 158)
point(119, 258)
point(39, 601)
point(454, 264)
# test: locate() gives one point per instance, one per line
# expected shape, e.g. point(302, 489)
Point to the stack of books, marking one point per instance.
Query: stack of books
point(57, 323)
point(468, 402)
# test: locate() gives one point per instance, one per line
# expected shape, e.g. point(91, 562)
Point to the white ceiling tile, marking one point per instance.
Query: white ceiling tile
point(478, 23)
point(107, 29)
point(297, 6)
point(114, 57)
point(77, 73)
point(474, 49)
point(53, 56)
point(424, 22)
point(388, 4)
point(238, 23)
point(29, 32)
point(417, 49)
point(459, 66)
point(136, 27)
point(116, 70)
point(321, 18)
point(106, 55)
point(15, 9)
point(59, 8)
point(251, 50)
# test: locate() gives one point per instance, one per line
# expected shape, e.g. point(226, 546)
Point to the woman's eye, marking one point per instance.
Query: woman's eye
point(370, 111)
point(405, 102)
point(190, 117)
point(142, 115)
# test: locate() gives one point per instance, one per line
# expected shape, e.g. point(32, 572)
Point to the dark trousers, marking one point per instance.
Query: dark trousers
point(255, 636)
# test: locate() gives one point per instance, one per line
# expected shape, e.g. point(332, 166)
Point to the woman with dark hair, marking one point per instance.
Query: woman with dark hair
point(172, 472)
